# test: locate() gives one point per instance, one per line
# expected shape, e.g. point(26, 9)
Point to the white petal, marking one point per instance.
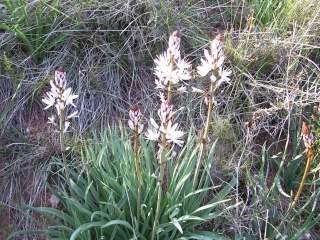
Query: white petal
point(213, 78)
point(73, 115)
point(152, 135)
point(197, 90)
point(141, 128)
point(131, 125)
point(66, 126)
point(154, 124)
point(182, 89)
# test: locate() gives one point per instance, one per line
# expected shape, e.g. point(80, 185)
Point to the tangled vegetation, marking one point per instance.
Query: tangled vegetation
point(228, 151)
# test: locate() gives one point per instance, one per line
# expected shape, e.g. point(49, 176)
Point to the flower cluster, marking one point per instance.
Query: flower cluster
point(170, 68)
point(307, 136)
point(60, 97)
point(167, 127)
point(213, 61)
point(135, 116)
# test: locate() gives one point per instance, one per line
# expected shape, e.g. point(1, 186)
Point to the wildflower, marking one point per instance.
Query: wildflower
point(212, 61)
point(163, 67)
point(52, 120)
point(66, 126)
point(170, 68)
point(307, 136)
point(49, 100)
point(153, 134)
point(174, 44)
point(172, 135)
point(73, 115)
point(60, 77)
point(135, 116)
point(224, 76)
point(167, 126)
point(59, 96)
point(182, 89)
point(165, 112)
point(67, 97)
point(166, 74)
point(217, 47)
point(196, 90)
point(182, 72)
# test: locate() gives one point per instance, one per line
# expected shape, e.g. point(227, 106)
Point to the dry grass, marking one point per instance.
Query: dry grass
point(108, 61)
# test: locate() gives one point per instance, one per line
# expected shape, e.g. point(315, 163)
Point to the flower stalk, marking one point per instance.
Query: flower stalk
point(162, 164)
point(168, 133)
point(213, 62)
point(170, 68)
point(60, 97)
point(135, 116)
point(308, 139)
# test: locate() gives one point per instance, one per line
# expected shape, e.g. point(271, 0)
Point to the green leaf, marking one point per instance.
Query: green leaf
point(24, 232)
point(175, 212)
point(6, 110)
point(177, 225)
point(85, 227)
point(210, 206)
point(203, 235)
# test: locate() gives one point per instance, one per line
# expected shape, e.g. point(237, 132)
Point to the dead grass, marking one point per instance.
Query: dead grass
point(109, 64)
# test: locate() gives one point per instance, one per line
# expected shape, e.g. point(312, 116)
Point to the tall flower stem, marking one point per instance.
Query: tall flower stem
point(135, 116)
point(310, 156)
point(61, 97)
point(160, 179)
point(136, 156)
point(170, 82)
point(64, 150)
point(211, 63)
point(204, 138)
point(308, 140)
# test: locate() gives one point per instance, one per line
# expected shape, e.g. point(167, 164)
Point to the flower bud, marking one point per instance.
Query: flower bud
point(174, 44)
point(307, 136)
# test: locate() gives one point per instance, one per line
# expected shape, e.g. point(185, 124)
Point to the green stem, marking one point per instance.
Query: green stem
point(204, 138)
point(63, 149)
point(170, 83)
point(136, 149)
point(161, 174)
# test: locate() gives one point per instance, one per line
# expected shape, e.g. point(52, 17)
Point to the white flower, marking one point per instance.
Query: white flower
point(182, 71)
point(206, 64)
point(140, 129)
point(59, 107)
point(66, 126)
point(131, 125)
point(224, 76)
point(67, 97)
point(73, 115)
point(55, 91)
point(163, 64)
point(165, 72)
point(172, 135)
point(154, 124)
point(50, 100)
point(182, 89)
point(196, 90)
point(165, 112)
point(213, 78)
point(60, 77)
point(153, 135)
point(217, 47)
point(214, 60)
point(52, 120)
point(174, 44)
